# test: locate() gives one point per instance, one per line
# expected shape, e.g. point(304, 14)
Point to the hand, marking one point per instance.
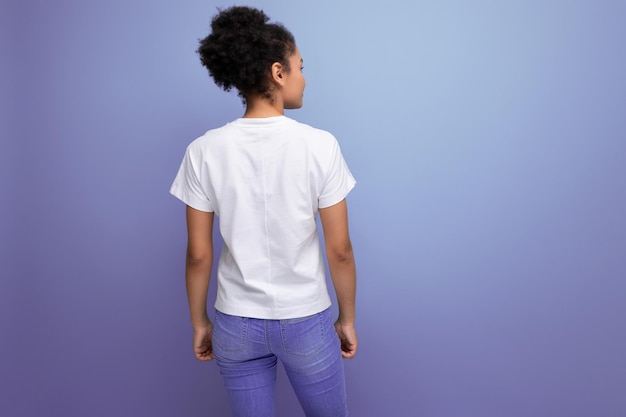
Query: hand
point(202, 342)
point(347, 336)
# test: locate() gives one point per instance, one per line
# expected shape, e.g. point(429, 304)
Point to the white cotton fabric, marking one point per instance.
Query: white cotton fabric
point(265, 179)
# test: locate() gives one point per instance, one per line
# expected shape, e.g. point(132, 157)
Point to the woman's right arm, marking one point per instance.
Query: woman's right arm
point(343, 272)
point(198, 274)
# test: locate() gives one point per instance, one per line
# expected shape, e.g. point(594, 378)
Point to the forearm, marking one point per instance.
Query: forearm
point(198, 275)
point(343, 274)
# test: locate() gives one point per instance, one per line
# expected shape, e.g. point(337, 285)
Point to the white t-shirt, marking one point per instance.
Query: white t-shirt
point(265, 179)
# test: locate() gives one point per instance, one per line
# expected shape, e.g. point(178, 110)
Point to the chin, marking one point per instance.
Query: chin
point(293, 106)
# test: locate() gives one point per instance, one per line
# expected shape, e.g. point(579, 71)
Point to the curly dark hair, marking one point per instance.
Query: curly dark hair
point(241, 49)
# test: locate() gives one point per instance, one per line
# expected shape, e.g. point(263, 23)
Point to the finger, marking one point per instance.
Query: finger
point(205, 356)
point(349, 353)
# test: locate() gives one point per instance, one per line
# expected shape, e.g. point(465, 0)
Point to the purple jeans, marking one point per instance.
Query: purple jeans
point(247, 351)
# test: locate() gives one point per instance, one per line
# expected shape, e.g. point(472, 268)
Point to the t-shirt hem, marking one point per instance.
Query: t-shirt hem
point(190, 200)
point(335, 198)
point(274, 313)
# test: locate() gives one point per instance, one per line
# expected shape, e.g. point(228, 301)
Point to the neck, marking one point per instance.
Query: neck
point(259, 107)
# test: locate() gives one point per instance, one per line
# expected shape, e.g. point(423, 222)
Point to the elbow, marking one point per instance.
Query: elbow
point(341, 254)
point(198, 259)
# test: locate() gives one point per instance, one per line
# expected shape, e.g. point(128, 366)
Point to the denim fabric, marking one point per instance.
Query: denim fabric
point(247, 351)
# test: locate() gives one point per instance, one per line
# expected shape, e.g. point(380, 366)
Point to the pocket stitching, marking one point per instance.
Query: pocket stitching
point(242, 338)
point(318, 347)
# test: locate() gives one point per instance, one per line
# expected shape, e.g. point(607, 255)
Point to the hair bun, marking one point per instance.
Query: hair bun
point(238, 18)
point(242, 48)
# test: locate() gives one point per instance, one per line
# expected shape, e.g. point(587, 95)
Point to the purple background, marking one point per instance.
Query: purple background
point(488, 139)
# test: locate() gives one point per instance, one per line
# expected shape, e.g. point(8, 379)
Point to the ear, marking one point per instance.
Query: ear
point(278, 73)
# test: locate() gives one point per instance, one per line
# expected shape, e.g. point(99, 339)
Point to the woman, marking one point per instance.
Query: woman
point(267, 177)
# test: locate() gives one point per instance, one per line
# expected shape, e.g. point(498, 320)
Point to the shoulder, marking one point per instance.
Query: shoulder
point(316, 136)
point(209, 138)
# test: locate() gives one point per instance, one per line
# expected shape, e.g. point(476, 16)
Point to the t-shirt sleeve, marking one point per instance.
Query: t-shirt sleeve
point(339, 180)
point(187, 186)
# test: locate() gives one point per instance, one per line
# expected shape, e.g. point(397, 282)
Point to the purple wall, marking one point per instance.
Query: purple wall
point(488, 221)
